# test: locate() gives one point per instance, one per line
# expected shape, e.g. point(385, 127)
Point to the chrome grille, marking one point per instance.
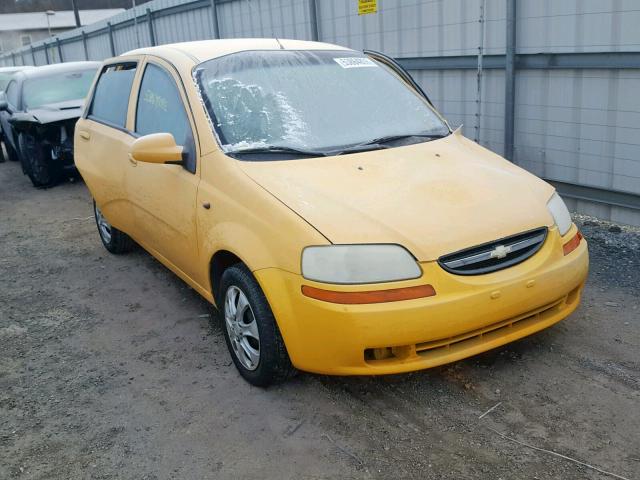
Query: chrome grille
point(495, 255)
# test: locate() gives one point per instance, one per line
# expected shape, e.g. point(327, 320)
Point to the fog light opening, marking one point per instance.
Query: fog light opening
point(573, 295)
point(378, 353)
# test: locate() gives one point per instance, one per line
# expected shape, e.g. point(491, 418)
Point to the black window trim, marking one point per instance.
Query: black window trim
point(111, 125)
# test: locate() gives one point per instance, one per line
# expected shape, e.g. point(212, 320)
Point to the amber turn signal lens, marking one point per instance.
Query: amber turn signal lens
point(572, 244)
point(372, 296)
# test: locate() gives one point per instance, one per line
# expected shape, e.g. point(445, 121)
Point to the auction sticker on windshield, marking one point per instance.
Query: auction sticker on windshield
point(355, 62)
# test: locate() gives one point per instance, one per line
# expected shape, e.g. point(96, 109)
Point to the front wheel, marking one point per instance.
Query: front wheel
point(24, 145)
point(250, 330)
point(37, 162)
point(114, 240)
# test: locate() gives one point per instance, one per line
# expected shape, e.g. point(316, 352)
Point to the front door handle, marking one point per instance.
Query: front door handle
point(84, 134)
point(132, 160)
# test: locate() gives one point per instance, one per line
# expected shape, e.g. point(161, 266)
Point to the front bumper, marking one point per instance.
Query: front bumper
point(468, 314)
point(63, 155)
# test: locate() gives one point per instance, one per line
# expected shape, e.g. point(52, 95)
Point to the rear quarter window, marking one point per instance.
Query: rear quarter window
point(111, 95)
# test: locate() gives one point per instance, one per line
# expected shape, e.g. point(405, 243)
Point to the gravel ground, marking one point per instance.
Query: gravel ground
point(111, 367)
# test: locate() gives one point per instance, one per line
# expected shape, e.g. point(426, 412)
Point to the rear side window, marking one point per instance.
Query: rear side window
point(160, 110)
point(111, 96)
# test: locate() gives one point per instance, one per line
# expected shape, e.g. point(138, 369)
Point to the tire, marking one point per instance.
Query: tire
point(272, 364)
point(2, 159)
point(37, 162)
point(22, 145)
point(114, 240)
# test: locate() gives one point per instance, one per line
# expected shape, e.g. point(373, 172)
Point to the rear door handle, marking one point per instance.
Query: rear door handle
point(132, 160)
point(84, 134)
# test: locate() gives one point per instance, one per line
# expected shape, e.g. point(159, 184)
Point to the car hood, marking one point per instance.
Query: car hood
point(433, 198)
point(56, 112)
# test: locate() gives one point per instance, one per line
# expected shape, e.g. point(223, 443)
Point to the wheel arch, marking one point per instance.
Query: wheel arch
point(228, 243)
point(220, 261)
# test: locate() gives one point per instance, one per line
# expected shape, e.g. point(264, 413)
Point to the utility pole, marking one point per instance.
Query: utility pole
point(510, 81)
point(76, 13)
point(479, 73)
point(49, 13)
point(135, 22)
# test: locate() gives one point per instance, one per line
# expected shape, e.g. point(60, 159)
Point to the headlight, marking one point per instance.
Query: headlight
point(560, 213)
point(358, 264)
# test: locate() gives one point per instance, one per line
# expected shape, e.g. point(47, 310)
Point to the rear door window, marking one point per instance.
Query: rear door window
point(111, 96)
point(160, 110)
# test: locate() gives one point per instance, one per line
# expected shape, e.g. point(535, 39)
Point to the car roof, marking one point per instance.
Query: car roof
point(201, 51)
point(46, 70)
point(18, 68)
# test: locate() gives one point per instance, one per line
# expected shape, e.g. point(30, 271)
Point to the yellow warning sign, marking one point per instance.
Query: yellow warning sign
point(367, 6)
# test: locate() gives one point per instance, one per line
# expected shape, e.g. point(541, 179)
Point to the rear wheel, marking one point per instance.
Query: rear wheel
point(114, 240)
point(250, 330)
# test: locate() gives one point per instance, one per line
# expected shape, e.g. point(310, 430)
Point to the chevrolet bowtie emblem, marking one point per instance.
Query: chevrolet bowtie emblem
point(500, 251)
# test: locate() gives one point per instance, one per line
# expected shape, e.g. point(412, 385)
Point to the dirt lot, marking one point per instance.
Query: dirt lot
point(111, 367)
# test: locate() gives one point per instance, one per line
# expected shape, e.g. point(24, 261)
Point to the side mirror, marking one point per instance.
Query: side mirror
point(156, 148)
point(4, 104)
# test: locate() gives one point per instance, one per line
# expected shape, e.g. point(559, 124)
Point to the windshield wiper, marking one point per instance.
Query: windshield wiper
point(375, 144)
point(277, 149)
point(382, 142)
point(393, 138)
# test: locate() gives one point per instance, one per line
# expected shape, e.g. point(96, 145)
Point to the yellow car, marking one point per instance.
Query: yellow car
point(315, 195)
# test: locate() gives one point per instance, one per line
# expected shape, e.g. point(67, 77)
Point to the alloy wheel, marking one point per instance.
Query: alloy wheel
point(242, 328)
point(104, 227)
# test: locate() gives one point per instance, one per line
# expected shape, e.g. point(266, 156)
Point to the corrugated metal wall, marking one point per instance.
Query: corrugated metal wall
point(580, 126)
point(577, 126)
point(266, 18)
point(414, 28)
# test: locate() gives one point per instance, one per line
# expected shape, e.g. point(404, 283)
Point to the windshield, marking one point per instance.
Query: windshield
point(320, 101)
point(4, 80)
point(60, 87)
